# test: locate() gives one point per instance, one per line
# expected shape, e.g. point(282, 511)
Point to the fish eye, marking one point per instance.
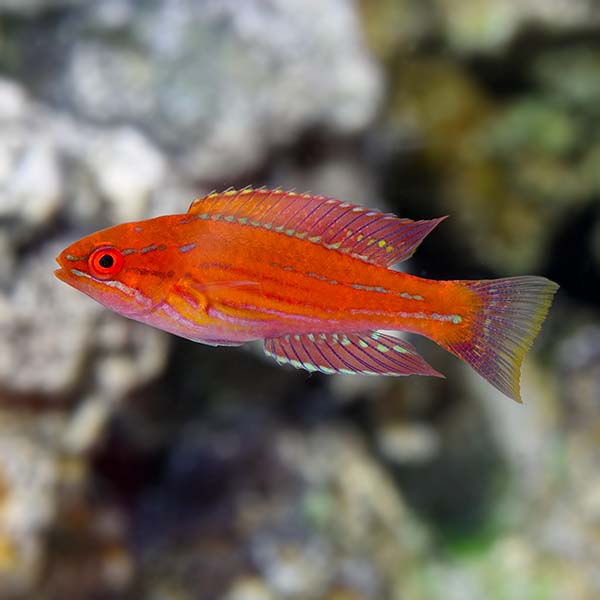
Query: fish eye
point(105, 262)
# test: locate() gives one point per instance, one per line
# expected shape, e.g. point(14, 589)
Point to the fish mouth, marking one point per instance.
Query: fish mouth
point(61, 274)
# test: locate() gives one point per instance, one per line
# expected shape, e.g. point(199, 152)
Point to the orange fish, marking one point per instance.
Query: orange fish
point(310, 276)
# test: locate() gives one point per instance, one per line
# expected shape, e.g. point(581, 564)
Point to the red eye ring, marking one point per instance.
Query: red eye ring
point(105, 262)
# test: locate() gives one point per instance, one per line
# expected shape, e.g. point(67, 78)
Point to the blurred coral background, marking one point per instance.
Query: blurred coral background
point(134, 465)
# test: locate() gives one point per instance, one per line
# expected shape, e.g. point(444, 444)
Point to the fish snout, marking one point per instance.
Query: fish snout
point(61, 273)
point(66, 261)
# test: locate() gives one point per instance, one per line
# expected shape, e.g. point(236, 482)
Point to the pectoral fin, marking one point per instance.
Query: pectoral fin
point(198, 293)
point(369, 353)
point(192, 299)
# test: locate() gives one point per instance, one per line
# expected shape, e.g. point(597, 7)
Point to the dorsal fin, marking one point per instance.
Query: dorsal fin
point(370, 235)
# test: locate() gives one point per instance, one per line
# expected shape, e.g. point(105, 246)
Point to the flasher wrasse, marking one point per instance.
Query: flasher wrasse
point(310, 276)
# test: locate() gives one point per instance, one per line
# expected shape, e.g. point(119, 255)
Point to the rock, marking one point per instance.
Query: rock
point(338, 172)
point(397, 26)
point(13, 101)
point(510, 176)
point(119, 168)
point(30, 8)
point(512, 163)
point(312, 513)
point(471, 26)
point(132, 356)
point(207, 82)
point(31, 182)
point(490, 26)
point(28, 478)
point(54, 168)
point(292, 569)
point(7, 267)
point(129, 169)
point(46, 332)
point(35, 184)
point(86, 425)
point(408, 443)
point(335, 464)
point(249, 588)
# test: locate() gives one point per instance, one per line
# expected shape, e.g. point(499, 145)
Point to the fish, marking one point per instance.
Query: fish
point(311, 276)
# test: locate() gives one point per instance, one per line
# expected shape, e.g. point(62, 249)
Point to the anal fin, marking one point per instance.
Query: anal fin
point(368, 353)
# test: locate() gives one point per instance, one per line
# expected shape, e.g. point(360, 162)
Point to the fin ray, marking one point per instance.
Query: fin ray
point(502, 330)
point(369, 353)
point(370, 235)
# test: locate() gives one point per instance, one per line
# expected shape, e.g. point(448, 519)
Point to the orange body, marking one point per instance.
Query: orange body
point(252, 283)
point(309, 275)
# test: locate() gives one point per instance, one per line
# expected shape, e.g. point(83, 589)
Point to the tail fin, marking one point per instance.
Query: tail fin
point(502, 330)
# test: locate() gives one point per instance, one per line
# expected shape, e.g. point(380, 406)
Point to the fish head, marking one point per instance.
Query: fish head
point(126, 268)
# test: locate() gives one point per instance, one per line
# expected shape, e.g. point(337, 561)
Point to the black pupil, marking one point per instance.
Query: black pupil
point(106, 261)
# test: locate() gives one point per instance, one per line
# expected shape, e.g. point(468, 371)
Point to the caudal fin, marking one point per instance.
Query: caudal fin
point(502, 330)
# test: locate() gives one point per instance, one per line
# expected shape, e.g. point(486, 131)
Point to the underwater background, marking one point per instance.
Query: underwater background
point(136, 465)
